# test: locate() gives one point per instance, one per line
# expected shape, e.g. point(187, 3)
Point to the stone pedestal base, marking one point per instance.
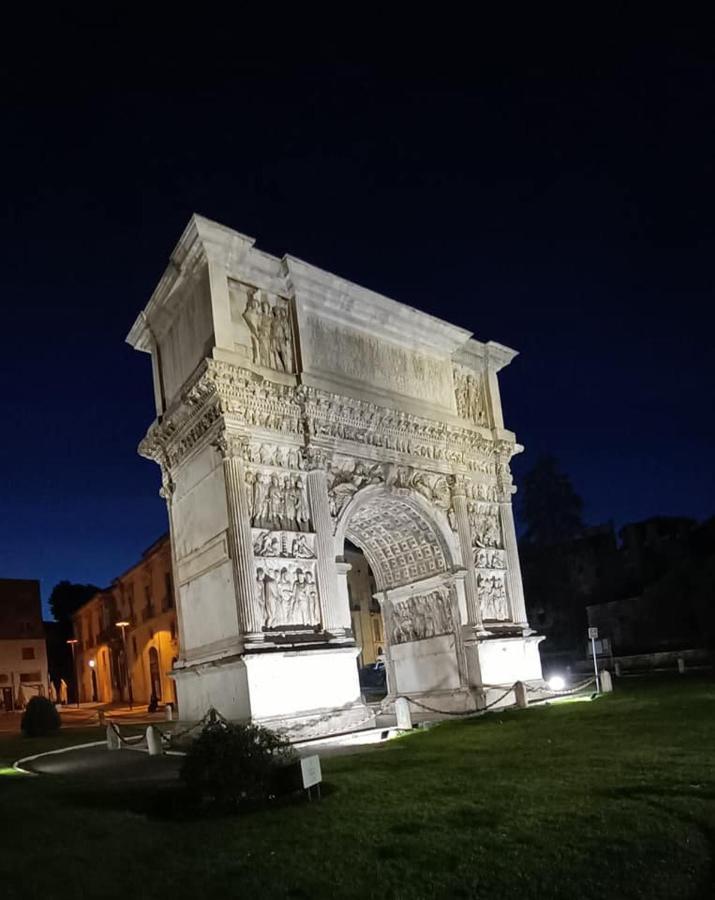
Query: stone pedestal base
point(504, 660)
point(311, 692)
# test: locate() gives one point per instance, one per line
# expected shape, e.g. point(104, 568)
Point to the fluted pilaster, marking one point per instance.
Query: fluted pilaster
point(515, 588)
point(250, 616)
point(336, 611)
point(464, 532)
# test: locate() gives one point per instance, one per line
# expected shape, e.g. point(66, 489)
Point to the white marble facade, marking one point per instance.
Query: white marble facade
point(296, 410)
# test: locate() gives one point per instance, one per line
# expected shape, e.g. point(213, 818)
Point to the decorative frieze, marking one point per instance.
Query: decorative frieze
point(286, 544)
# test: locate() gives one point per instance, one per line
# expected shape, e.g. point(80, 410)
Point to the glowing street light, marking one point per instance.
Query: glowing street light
point(124, 625)
point(73, 644)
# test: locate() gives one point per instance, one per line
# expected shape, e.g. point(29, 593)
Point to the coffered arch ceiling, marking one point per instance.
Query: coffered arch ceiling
point(399, 541)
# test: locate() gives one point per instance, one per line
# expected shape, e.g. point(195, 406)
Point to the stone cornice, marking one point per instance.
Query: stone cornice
point(220, 395)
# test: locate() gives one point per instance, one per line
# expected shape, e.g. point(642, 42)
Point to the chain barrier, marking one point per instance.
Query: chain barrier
point(215, 717)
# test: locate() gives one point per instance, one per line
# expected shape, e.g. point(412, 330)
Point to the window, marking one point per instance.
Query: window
point(29, 677)
point(4, 677)
point(134, 644)
point(28, 652)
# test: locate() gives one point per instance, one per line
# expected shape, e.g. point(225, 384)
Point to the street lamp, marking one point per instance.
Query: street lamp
point(73, 644)
point(124, 626)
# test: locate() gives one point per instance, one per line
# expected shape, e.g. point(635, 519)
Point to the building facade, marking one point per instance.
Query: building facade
point(23, 653)
point(296, 411)
point(113, 659)
point(365, 614)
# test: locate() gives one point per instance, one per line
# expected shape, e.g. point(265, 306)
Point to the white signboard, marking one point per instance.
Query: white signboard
point(310, 769)
point(592, 634)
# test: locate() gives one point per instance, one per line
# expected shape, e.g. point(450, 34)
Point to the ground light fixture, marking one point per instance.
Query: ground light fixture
point(124, 625)
point(556, 683)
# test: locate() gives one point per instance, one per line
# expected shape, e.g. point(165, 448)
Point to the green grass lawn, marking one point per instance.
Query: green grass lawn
point(610, 799)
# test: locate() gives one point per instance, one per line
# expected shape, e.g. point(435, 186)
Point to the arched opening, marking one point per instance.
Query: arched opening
point(403, 602)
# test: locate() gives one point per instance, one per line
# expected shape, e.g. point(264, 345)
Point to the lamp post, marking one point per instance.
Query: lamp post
point(124, 626)
point(73, 644)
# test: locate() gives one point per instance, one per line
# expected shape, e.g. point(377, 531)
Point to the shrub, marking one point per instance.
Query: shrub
point(235, 766)
point(40, 718)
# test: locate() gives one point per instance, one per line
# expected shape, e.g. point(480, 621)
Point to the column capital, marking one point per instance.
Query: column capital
point(232, 446)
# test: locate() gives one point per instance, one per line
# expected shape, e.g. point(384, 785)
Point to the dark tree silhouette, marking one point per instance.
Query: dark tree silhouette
point(550, 507)
point(66, 598)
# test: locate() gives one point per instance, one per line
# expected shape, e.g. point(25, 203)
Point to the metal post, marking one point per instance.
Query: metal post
point(595, 664)
point(73, 643)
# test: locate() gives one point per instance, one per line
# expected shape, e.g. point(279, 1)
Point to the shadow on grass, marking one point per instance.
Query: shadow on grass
point(170, 803)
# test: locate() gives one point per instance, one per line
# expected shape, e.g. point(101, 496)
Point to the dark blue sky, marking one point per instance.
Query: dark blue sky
point(554, 196)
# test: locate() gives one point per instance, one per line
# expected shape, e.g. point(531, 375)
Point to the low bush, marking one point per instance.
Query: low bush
point(40, 718)
point(234, 766)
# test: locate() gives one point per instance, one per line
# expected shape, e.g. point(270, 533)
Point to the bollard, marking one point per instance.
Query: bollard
point(617, 666)
point(606, 682)
point(112, 739)
point(404, 716)
point(520, 695)
point(681, 665)
point(153, 741)
point(169, 711)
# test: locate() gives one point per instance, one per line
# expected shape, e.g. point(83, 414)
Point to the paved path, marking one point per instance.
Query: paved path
point(108, 766)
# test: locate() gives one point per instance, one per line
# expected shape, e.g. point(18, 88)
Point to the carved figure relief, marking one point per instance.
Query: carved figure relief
point(277, 502)
point(290, 544)
point(344, 483)
point(489, 559)
point(271, 332)
point(274, 455)
point(484, 524)
point(469, 396)
point(422, 616)
point(491, 591)
point(287, 594)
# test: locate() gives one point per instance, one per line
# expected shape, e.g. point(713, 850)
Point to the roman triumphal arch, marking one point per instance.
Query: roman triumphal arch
point(295, 411)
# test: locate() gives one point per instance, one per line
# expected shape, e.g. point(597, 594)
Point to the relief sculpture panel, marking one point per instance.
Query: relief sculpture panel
point(422, 616)
point(277, 502)
point(287, 593)
point(271, 330)
point(492, 596)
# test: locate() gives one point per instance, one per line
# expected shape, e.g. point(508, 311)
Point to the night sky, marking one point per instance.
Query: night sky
point(555, 196)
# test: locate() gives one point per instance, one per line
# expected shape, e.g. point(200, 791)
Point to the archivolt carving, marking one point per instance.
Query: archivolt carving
point(422, 616)
point(287, 594)
point(346, 480)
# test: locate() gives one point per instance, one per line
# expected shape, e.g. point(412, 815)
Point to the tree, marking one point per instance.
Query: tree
point(550, 507)
point(66, 598)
